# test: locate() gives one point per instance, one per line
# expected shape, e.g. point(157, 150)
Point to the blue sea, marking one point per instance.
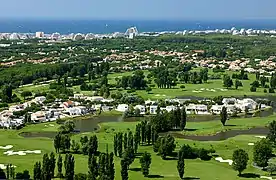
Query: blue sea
point(110, 26)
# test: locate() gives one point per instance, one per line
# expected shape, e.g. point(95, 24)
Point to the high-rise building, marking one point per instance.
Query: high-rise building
point(39, 34)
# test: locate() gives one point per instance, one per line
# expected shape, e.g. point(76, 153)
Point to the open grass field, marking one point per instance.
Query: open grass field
point(160, 169)
point(208, 90)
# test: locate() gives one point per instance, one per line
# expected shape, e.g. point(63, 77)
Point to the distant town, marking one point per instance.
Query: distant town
point(133, 32)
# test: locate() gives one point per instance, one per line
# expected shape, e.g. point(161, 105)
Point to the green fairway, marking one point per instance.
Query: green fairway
point(208, 90)
point(160, 169)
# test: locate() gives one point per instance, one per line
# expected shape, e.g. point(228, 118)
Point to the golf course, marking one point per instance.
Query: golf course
point(160, 169)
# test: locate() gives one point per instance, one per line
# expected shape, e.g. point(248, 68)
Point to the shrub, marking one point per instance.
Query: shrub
point(253, 89)
point(271, 90)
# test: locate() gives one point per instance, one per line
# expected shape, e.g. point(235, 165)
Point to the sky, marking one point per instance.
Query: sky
point(139, 9)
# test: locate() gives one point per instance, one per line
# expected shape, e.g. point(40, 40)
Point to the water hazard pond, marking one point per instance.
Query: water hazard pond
point(82, 125)
point(223, 135)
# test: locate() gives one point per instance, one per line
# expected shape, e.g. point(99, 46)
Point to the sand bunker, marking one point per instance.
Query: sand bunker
point(22, 153)
point(250, 144)
point(3, 166)
point(197, 91)
point(266, 177)
point(262, 137)
point(6, 147)
point(229, 161)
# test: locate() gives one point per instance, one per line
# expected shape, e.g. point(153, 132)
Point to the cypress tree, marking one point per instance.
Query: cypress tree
point(145, 162)
point(102, 167)
point(143, 129)
point(120, 144)
point(178, 117)
point(52, 164)
point(183, 119)
point(46, 171)
point(136, 142)
point(138, 132)
point(37, 171)
point(92, 168)
point(130, 139)
point(111, 167)
point(69, 166)
point(57, 142)
point(148, 133)
point(8, 171)
point(129, 156)
point(124, 167)
point(125, 141)
point(59, 166)
point(223, 115)
point(180, 164)
point(115, 144)
point(2, 174)
point(92, 145)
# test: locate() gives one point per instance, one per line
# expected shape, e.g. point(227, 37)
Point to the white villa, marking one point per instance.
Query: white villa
point(170, 108)
point(38, 117)
point(150, 102)
point(247, 103)
point(78, 110)
point(197, 109)
point(141, 108)
point(40, 99)
point(79, 96)
point(153, 109)
point(216, 109)
point(122, 107)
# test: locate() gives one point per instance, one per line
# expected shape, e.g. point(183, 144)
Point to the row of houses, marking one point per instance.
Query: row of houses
point(232, 105)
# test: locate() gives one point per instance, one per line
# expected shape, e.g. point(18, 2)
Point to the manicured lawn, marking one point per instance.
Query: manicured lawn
point(160, 169)
point(210, 89)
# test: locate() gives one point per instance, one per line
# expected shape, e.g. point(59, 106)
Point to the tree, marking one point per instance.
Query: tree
point(7, 93)
point(115, 144)
point(69, 166)
point(223, 115)
point(46, 171)
point(25, 175)
point(59, 167)
point(136, 142)
point(2, 174)
point(111, 168)
point(92, 168)
point(148, 89)
point(271, 168)
point(129, 156)
point(25, 94)
point(124, 168)
point(180, 164)
point(120, 144)
point(37, 171)
point(125, 141)
point(253, 89)
point(238, 84)
point(80, 176)
point(227, 81)
point(164, 145)
point(65, 143)
point(92, 145)
point(240, 159)
point(262, 153)
point(145, 162)
point(102, 166)
point(52, 164)
point(272, 132)
point(183, 119)
point(75, 146)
